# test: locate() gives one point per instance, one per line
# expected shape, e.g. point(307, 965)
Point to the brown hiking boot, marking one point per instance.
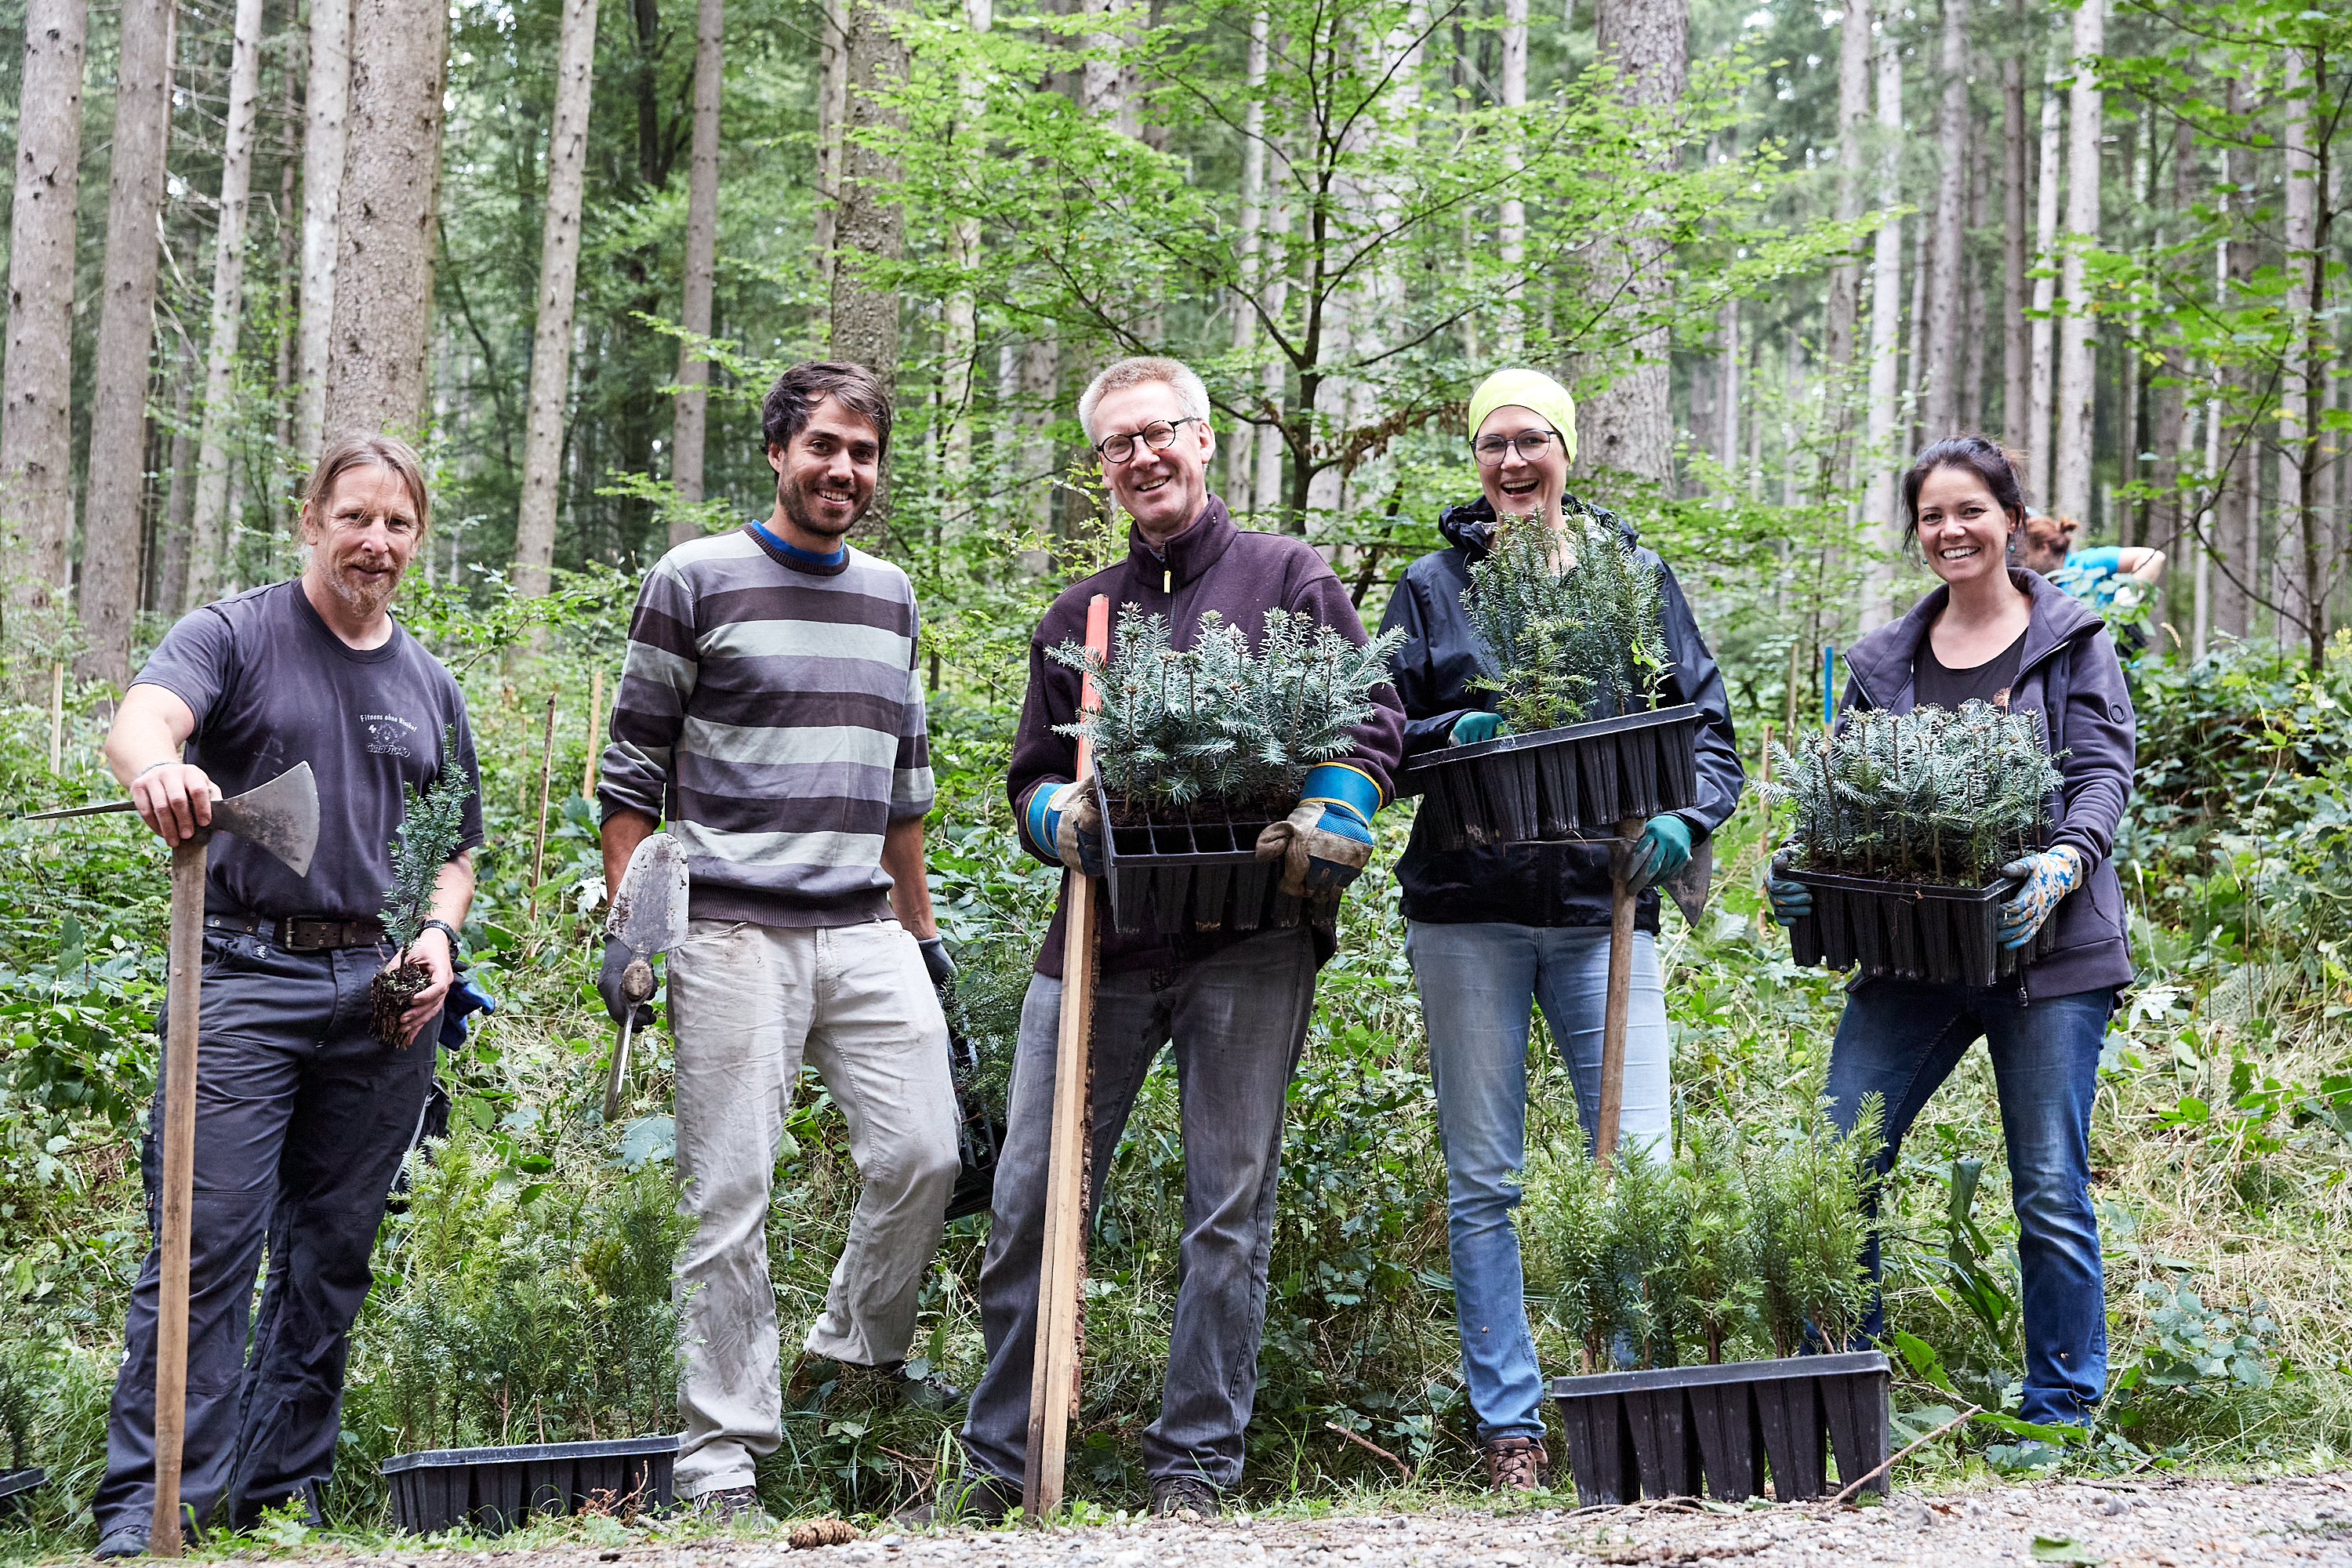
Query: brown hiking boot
point(1516, 1465)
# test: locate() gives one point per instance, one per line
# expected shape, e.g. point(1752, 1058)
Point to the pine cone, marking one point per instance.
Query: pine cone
point(822, 1532)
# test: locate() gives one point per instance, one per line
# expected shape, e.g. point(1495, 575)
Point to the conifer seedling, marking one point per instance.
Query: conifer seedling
point(431, 824)
point(1574, 623)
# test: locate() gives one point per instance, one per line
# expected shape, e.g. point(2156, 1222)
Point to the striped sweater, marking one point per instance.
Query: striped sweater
point(770, 712)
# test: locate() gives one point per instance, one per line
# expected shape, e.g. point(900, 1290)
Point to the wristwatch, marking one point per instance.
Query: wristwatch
point(445, 928)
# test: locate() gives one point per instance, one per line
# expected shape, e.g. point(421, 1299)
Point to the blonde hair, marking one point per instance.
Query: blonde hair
point(354, 448)
point(1192, 397)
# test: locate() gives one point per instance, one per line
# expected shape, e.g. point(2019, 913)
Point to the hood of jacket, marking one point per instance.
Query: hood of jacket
point(1881, 661)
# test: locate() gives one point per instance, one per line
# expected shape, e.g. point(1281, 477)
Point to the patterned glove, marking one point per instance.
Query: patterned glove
point(2049, 877)
point(1063, 822)
point(1473, 728)
point(1664, 848)
point(1326, 843)
point(1791, 901)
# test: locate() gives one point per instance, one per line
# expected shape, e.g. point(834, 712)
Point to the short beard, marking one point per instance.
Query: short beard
point(795, 505)
point(365, 602)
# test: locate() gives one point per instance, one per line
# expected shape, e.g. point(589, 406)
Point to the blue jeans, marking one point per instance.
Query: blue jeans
point(1477, 986)
point(1902, 1039)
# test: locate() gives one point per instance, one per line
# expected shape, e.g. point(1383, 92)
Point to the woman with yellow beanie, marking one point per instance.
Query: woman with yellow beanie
point(1498, 931)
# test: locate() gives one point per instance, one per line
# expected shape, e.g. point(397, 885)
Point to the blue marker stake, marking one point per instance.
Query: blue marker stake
point(1829, 678)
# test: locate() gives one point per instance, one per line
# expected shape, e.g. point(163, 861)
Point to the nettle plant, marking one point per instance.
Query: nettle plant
point(1927, 795)
point(431, 824)
point(1574, 623)
point(1216, 723)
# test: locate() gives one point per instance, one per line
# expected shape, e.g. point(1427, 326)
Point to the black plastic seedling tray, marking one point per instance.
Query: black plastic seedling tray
point(17, 1488)
point(1669, 1432)
point(492, 1490)
point(1576, 782)
point(1171, 877)
point(1917, 930)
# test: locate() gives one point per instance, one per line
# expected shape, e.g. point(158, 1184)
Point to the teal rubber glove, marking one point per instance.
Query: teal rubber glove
point(2049, 877)
point(1473, 728)
point(1326, 843)
point(1791, 901)
point(1664, 848)
point(1060, 821)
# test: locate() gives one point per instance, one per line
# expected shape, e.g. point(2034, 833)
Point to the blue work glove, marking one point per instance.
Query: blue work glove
point(1473, 728)
point(1791, 901)
point(1664, 848)
point(1326, 843)
point(2049, 877)
point(1063, 822)
point(466, 998)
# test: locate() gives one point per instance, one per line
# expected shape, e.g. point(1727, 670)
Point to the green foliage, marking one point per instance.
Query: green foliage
point(2194, 1342)
point(431, 824)
point(1217, 723)
point(1929, 795)
point(1570, 1245)
point(1811, 1198)
point(1575, 624)
point(1713, 1260)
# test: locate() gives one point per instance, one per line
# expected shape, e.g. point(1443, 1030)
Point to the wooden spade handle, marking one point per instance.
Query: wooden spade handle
point(183, 994)
point(1621, 986)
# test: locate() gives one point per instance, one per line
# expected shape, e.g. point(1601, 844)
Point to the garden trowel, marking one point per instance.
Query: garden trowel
point(281, 816)
point(649, 917)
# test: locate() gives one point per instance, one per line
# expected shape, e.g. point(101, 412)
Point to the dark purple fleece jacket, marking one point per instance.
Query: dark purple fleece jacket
point(1212, 565)
point(2069, 657)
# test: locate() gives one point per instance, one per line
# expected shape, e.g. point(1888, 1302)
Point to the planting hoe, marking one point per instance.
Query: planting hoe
point(1062, 1270)
point(649, 917)
point(281, 816)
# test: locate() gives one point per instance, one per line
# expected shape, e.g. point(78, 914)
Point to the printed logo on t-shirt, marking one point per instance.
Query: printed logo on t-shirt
point(388, 734)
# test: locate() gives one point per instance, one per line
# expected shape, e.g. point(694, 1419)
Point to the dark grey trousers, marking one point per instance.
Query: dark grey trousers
point(303, 1117)
point(1237, 1021)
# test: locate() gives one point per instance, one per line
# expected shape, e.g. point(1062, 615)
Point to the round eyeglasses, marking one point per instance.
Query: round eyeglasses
point(1490, 450)
point(1159, 435)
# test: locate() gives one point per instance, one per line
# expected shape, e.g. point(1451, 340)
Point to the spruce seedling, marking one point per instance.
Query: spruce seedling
point(1573, 622)
point(430, 827)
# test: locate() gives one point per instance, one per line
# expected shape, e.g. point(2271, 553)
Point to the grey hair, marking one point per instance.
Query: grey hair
point(1192, 397)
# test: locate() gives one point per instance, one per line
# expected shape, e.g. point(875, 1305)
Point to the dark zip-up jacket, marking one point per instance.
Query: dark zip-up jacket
point(2069, 674)
point(1212, 565)
point(1530, 884)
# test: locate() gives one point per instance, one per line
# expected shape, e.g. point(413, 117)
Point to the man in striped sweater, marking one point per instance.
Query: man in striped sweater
point(770, 712)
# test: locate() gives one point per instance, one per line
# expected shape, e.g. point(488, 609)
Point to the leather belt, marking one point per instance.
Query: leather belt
point(301, 933)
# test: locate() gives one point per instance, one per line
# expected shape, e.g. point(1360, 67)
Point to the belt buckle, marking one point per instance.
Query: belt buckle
point(308, 936)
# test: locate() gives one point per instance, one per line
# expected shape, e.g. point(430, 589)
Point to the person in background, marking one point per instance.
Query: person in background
point(1998, 634)
point(2049, 547)
point(1495, 932)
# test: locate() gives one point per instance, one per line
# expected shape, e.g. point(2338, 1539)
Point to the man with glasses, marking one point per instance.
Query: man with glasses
point(1233, 1005)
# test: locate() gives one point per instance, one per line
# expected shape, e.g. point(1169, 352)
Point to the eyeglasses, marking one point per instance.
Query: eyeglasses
point(1159, 435)
point(1531, 444)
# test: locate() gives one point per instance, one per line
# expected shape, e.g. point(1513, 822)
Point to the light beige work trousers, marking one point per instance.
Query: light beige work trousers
point(747, 1002)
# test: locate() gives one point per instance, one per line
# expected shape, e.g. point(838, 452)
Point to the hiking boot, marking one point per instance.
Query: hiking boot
point(731, 1505)
point(1516, 1465)
point(1184, 1497)
point(976, 1499)
point(123, 1541)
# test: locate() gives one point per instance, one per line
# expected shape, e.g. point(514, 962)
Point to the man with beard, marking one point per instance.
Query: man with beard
point(302, 1113)
point(770, 710)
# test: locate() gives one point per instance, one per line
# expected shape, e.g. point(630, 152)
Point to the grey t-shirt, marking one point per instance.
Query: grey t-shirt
point(270, 687)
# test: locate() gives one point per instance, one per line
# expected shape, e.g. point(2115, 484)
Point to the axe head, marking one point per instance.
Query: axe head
point(281, 816)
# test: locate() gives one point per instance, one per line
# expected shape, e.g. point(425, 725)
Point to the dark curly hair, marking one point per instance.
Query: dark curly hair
point(799, 390)
point(1979, 457)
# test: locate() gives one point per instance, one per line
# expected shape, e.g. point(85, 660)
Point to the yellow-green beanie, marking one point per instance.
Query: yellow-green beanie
point(1529, 389)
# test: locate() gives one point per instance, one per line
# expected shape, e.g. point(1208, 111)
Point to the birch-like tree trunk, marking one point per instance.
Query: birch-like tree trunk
point(204, 529)
point(392, 178)
point(960, 346)
point(2045, 291)
point(831, 110)
point(172, 579)
point(35, 415)
point(1511, 231)
point(689, 414)
point(559, 277)
point(1855, 47)
point(1726, 393)
point(1274, 374)
point(1882, 531)
point(2305, 553)
point(2078, 330)
point(1241, 443)
point(1629, 425)
point(325, 138)
point(111, 531)
point(2016, 343)
point(1939, 355)
point(1970, 416)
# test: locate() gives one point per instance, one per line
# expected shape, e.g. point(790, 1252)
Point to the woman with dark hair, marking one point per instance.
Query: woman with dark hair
point(1998, 633)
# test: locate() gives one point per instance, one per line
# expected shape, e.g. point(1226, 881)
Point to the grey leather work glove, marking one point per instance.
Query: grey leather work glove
point(609, 981)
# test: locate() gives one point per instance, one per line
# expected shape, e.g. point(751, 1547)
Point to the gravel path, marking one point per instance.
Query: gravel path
point(2155, 1525)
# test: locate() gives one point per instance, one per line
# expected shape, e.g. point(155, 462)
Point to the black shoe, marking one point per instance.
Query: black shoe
point(1184, 1497)
point(123, 1541)
point(976, 1499)
point(731, 1505)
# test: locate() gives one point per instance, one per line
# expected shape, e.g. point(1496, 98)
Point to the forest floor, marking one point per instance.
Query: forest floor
point(2158, 1523)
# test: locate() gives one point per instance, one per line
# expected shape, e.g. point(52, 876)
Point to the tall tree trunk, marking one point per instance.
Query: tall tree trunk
point(688, 420)
point(2015, 349)
point(1041, 375)
point(1108, 81)
point(1629, 425)
point(1726, 395)
point(2078, 333)
point(559, 276)
point(961, 345)
point(831, 111)
point(392, 178)
point(2304, 554)
point(35, 418)
point(1273, 372)
point(869, 224)
point(1940, 342)
point(171, 595)
point(1922, 268)
point(325, 138)
point(1970, 418)
point(1883, 531)
point(1511, 231)
point(112, 515)
point(1241, 446)
point(205, 532)
point(1855, 45)
point(2045, 291)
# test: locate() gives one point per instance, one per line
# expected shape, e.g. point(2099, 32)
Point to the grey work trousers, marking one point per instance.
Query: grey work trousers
point(302, 1119)
point(1237, 1020)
